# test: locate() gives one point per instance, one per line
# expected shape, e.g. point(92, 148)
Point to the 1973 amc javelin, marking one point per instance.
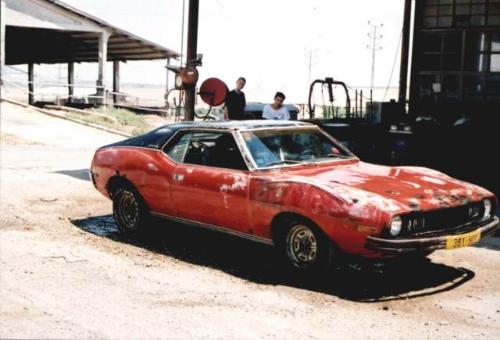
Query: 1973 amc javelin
point(291, 185)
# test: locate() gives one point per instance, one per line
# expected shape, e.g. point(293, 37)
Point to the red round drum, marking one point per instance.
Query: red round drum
point(213, 91)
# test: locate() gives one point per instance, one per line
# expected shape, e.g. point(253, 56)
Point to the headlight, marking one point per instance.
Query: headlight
point(396, 225)
point(487, 208)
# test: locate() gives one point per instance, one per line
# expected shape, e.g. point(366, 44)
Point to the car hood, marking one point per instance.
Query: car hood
point(397, 189)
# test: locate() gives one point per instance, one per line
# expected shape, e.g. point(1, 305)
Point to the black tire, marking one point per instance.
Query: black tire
point(305, 247)
point(130, 211)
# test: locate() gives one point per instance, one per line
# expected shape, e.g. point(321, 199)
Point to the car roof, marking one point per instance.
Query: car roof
point(235, 124)
point(157, 138)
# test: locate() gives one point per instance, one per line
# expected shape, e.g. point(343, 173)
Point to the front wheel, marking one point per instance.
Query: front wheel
point(307, 248)
point(129, 210)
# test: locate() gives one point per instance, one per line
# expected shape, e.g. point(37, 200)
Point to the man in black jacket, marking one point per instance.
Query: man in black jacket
point(235, 101)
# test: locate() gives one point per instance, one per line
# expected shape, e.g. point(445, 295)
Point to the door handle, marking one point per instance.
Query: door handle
point(178, 177)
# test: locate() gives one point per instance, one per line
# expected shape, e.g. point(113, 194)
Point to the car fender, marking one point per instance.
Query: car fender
point(342, 213)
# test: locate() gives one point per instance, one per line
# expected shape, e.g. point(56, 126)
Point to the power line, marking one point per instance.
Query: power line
point(393, 65)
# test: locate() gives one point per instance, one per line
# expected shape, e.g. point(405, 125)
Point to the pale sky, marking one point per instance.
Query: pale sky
point(266, 41)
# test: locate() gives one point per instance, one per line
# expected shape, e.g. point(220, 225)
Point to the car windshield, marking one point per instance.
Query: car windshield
point(283, 147)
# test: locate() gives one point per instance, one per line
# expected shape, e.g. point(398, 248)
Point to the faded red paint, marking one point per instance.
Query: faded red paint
point(349, 200)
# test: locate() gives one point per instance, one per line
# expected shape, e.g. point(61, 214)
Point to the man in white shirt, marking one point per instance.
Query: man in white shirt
point(276, 110)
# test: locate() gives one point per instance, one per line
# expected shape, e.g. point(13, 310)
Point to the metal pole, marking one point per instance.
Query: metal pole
point(356, 103)
point(31, 84)
point(71, 80)
point(2, 44)
point(167, 83)
point(405, 50)
point(414, 102)
point(192, 45)
point(371, 102)
point(361, 104)
point(116, 80)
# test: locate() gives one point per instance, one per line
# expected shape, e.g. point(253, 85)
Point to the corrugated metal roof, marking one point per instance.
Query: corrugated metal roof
point(38, 45)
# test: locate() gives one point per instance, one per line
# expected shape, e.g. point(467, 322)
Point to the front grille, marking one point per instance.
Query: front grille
point(422, 223)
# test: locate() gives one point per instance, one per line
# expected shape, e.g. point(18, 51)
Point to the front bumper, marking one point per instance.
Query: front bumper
point(422, 244)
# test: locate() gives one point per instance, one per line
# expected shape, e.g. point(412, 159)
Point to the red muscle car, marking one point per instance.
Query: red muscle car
point(291, 185)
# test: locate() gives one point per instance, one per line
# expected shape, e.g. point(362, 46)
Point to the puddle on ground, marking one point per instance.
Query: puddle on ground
point(99, 225)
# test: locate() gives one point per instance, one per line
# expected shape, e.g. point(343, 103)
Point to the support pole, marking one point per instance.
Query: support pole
point(167, 78)
point(405, 50)
point(101, 76)
point(31, 84)
point(371, 103)
point(71, 81)
point(356, 103)
point(192, 45)
point(116, 80)
point(360, 104)
point(2, 45)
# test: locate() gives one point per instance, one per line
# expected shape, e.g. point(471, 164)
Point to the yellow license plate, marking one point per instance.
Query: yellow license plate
point(463, 240)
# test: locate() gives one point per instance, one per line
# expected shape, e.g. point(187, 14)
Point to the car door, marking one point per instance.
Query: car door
point(210, 181)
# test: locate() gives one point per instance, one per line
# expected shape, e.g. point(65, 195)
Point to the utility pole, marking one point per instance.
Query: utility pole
point(405, 50)
point(374, 45)
point(192, 45)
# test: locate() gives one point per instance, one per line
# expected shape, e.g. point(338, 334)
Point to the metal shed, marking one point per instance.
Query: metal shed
point(50, 31)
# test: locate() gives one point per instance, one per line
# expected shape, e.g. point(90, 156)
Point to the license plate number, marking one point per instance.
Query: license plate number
point(463, 240)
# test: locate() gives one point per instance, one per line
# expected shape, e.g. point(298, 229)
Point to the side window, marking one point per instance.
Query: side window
point(177, 149)
point(199, 150)
point(225, 153)
point(206, 148)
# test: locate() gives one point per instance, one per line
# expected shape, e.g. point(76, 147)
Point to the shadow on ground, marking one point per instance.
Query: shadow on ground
point(82, 174)
point(492, 243)
point(259, 263)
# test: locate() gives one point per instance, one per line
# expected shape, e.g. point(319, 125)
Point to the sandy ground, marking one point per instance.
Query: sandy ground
point(67, 273)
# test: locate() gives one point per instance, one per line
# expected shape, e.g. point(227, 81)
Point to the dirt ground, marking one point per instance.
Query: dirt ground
point(67, 273)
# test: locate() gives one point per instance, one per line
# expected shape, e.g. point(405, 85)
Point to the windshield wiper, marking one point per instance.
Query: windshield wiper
point(285, 161)
point(333, 155)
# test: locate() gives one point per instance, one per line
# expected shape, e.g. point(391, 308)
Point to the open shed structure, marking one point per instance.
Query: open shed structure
point(52, 32)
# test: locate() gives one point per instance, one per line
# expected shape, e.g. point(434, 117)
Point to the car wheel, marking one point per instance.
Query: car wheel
point(307, 249)
point(129, 210)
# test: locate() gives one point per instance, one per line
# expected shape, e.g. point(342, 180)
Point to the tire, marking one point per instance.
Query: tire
point(129, 211)
point(306, 248)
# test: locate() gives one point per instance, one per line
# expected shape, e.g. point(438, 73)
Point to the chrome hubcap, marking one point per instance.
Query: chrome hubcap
point(128, 210)
point(302, 246)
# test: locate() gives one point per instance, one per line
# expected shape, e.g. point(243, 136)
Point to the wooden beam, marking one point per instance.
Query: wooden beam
point(119, 48)
point(83, 35)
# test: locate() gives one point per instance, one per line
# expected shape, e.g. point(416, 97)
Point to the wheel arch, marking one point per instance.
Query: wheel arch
point(116, 182)
point(280, 221)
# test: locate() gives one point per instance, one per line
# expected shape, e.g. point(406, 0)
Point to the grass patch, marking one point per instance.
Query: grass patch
point(118, 119)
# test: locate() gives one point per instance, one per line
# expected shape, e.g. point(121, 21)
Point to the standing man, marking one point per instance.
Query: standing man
point(276, 110)
point(236, 101)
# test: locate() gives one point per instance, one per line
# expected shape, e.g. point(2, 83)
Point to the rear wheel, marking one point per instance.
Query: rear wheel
point(129, 210)
point(306, 248)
